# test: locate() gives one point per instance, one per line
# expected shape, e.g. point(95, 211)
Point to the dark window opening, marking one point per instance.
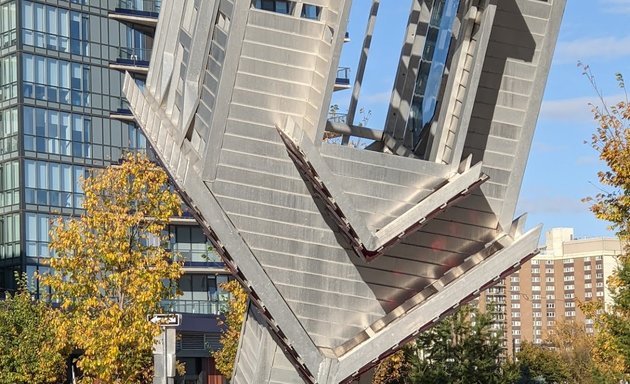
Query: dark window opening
point(312, 12)
point(278, 6)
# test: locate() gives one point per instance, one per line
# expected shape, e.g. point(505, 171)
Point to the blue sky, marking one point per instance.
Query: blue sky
point(562, 168)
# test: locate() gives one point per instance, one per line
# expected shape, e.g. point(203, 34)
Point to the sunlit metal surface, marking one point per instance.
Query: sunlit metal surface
point(346, 253)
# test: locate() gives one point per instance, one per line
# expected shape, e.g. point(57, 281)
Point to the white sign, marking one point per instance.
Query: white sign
point(166, 320)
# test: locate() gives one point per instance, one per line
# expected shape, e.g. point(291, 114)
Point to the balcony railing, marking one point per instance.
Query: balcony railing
point(343, 77)
point(150, 8)
point(134, 56)
point(200, 307)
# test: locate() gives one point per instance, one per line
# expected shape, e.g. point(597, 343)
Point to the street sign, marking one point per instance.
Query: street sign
point(166, 319)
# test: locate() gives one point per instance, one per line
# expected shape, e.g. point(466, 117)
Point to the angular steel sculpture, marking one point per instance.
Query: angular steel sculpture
point(348, 253)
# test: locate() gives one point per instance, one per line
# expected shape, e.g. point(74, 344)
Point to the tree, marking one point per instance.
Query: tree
point(31, 351)
point(111, 270)
point(463, 348)
point(234, 315)
point(540, 365)
point(392, 370)
point(612, 142)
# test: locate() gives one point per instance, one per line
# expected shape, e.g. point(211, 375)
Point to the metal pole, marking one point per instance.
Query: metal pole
point(164, 358)
point(356, 91)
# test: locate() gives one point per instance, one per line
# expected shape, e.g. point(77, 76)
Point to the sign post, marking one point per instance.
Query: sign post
point(168, 323)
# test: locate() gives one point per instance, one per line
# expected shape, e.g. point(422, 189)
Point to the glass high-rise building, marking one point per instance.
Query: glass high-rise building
point(61, 114)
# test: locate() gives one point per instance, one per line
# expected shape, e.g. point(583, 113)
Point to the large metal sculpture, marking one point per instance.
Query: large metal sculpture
point(347, 253)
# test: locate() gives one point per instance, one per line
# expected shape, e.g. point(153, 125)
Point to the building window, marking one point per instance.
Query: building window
point(599, 294)
point(588, 295)
point(587, 267)
point(56, 132)
point(569, 287)
point(55, 28)
point(223, 22)
point(192, 244)
point(536, 314)
point(201, 294)
point(551, 314)
point(550, 279)
point(587, 276)
point(569, 278)
point(569, 295)
point(550, 288)
point(569, 314)
point(312, 12)
point(37, 238)
point(9, 184)
point(551, 297)
point(551, 305)
point(8, 78)
point(58, 81)
point(8, 131)
point(278, 6)
point(569, 304)
point(536, 288)
point(9, 236)
point(549, 271)
point(53, 184)
point(568, 261)
point(535, 270)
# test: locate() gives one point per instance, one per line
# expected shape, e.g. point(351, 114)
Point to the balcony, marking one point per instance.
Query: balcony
point(197, 307)
point(123, 112)
point(142, 13)
point(133, 60)
point(343, 79)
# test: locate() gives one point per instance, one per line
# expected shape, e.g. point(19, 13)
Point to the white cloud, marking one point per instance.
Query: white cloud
point(552, 205)
point(602, 48)
point(616, 6)
point(574, 109)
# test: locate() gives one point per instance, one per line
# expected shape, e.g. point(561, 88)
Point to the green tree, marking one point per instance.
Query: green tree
point(463, 348)
point(31, 350)
point(540, 365)
point(612, 142)
point(111, 270)
point(234, 316)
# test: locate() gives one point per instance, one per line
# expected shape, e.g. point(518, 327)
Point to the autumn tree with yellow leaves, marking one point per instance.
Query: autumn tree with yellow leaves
point(234, 317)
point(612, 142)
point(111, 270)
